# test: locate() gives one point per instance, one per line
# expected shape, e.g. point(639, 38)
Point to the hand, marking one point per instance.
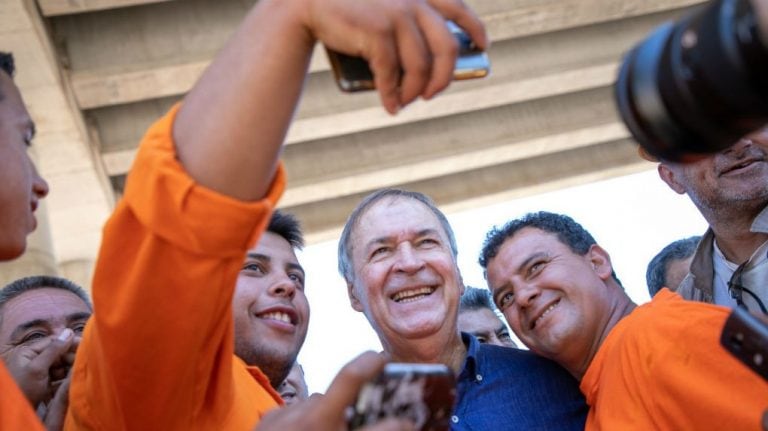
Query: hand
point(56, 410)
point(39, 368)
point(327, 412)
point(394, 36)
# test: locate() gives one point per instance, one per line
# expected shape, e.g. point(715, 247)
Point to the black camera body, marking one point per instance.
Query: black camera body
point(697, 85)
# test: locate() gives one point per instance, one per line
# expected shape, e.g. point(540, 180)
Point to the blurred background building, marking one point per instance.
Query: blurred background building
point(96, 73)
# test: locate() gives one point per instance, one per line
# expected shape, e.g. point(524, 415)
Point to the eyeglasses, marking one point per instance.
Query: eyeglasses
point(737, 289)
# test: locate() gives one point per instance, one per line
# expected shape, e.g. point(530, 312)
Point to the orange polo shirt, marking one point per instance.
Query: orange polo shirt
point(158, 353)
point(15, 411)
point(662, 367)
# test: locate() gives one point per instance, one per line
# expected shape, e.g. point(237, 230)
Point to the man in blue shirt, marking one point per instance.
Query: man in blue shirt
point(398, 255)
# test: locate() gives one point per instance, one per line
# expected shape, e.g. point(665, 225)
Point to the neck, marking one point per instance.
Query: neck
point(620, 307)
point(733, 235)
point(431, 350)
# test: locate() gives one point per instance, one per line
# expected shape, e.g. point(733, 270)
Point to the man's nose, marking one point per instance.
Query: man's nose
point(408, 259)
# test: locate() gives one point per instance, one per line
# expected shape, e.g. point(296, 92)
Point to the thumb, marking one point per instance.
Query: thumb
point(346, 385)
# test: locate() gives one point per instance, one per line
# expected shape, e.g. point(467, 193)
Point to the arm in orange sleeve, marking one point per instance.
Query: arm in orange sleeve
point(157, 353)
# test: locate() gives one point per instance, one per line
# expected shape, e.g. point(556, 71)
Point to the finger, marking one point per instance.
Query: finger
point(386, 73)
point(443, 50)
point(415, 59)
point(458, 12)
point(57, 408)
point(53, 352)
point(346, 385)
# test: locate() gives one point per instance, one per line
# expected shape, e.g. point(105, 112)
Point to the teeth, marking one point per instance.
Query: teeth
point(550, 308)
point(277, 315)
point(412, 295)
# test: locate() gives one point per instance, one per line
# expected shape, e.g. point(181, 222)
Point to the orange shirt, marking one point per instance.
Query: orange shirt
point(15, 411)
point(158, 353)
point(662, 367)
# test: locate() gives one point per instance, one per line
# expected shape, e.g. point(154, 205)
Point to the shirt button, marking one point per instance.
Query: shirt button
point(455, 419)
point(479, 377)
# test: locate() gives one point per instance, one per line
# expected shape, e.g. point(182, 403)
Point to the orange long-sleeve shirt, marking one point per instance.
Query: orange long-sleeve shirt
point(662, 368)
point(15, 411)
point(158, 353)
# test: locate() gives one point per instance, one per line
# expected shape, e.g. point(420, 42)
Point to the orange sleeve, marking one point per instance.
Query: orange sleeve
point(15, 411)
point(157, 353)
point(665, 369)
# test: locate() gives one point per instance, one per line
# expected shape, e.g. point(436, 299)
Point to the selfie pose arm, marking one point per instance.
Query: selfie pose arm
point(158, 352)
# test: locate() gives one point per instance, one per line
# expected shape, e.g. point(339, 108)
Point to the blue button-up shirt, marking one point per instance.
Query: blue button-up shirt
point(501, 388)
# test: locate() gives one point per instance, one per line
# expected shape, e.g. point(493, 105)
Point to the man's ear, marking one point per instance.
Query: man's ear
point(353, 301)
point(670, 176)
point(601, 261)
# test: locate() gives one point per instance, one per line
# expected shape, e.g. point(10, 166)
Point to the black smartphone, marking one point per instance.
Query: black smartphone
point(353, 73)
point(746, 337)
point(423, 393)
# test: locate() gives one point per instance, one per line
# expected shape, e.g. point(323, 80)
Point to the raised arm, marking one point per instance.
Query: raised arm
point(231, 126)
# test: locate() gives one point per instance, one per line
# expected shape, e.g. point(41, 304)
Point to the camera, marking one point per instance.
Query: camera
point(353, 74)
point(698, 85)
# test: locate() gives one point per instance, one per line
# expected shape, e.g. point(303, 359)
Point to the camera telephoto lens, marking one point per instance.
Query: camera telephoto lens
point(698, 85)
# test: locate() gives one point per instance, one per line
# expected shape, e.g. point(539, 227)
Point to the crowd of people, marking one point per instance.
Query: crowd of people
point(199, 309)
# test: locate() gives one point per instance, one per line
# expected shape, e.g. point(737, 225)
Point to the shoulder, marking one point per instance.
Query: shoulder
point(519, 364)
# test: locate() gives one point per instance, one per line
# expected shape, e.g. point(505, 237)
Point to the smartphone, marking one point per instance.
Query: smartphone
point(746, 337)
point(353, 74)
point(423, 393)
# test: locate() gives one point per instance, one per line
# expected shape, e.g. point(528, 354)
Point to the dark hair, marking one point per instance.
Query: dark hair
point(568, 232)
point(474, 298)
point(6, 63)
point(656, 275)
point(287, 226)
point(345, 242)
point(27, 284)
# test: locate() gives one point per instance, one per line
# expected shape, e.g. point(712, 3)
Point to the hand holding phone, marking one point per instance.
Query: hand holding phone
point(353, 74)
point(423, 393)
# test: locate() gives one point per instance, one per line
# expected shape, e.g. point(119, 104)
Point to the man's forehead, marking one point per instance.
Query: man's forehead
point(416, 215)
point(272, 245)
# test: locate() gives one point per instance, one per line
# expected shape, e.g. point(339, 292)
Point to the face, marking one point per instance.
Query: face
point(736, 178)
point(405, 276)
point(677, 269)
point(20, 186)
point(486, 327)
point(270, 309)
point(553, 299)
point(33, 318)
point(294, 388)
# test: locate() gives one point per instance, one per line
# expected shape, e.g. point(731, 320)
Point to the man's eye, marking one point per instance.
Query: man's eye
point(535, 268)
point(504, 335)
point(253, 267)
point(506, 299)
point(298, 278)
point(482, 340)
point(78, 328)
point(33, 336)
point(379, 251)
point(428, 242)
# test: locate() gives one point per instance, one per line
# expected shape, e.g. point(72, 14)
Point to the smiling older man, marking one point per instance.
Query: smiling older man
point(398, 255)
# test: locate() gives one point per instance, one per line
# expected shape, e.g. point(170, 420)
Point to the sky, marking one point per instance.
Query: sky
point(633, 217)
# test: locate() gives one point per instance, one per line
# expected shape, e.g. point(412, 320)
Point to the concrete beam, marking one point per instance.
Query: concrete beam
point(66, 7)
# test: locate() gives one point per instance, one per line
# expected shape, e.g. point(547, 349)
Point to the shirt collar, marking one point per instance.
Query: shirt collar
point(472, 363)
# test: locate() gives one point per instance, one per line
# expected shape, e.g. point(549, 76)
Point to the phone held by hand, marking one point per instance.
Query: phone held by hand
point(353, 74)
point(423, 393)
point(746, 337)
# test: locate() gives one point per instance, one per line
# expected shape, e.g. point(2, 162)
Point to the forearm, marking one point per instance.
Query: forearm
point(232, 124)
